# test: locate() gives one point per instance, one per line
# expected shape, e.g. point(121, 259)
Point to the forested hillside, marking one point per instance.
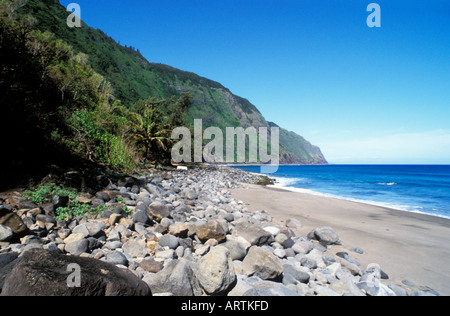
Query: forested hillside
point(69, 93)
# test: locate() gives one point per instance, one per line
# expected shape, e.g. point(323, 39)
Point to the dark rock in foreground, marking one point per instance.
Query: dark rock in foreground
point(44, 273)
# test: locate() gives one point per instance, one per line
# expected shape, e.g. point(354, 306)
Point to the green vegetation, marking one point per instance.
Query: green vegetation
point(71, 94)
point(264, 180)
point(74, 208)
point(44, 193)
point(53, 102)
point(133, 78)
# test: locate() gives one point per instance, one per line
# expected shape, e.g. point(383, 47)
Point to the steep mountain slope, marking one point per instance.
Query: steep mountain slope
point(134, 78)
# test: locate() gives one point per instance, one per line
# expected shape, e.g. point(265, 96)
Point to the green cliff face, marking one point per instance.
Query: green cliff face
point(134, 78)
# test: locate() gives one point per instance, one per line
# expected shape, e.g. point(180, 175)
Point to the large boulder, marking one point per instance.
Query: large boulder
point(176, 278)
point(43, 273)
point(216, 271)
point(211, 230)
point(262, 263)
point(254, 234)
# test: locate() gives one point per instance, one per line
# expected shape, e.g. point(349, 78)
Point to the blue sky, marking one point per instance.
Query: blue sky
point(364, 95)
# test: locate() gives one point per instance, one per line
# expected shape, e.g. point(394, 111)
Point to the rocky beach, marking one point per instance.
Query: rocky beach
point(195, 232)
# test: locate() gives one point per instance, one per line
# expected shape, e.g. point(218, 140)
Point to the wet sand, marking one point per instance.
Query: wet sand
point(408, 246)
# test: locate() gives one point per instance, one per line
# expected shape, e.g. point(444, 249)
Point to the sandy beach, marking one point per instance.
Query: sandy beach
point(408, 246)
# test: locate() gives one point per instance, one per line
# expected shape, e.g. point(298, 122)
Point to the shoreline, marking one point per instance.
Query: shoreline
point(408, 246)
point(286, 187)
point(342, 198)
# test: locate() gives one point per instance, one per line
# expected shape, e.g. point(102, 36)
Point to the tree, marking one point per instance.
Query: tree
point(149, 130)
point(177, 110)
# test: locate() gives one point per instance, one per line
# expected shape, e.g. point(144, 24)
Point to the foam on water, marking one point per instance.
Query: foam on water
point(415, 188)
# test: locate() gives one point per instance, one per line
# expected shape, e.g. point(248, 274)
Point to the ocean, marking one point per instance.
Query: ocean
point(414, 188)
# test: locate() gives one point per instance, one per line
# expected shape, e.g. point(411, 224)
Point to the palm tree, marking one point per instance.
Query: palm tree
point(149, 131)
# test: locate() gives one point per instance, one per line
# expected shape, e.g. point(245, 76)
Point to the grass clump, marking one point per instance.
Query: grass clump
point(75, 208)
point(44, 193)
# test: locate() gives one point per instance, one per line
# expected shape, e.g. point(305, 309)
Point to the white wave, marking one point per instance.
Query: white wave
point(281, 182)
point(398, 207)
point(387, 183)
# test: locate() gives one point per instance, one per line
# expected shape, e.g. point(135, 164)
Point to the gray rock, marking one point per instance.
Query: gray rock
point(158, 211)
point(177, 278)
point(97, 202)
point(190, 194)
point(6, 258)
point(26, 204)
point(81, 229)
point(425, 293)
point(216, 271)
point(116, 258)
point(103, 196)
point(398, 290)
point(6, 233)
point(238, 249)
point(309, 263)
point(135, 248)
point(78, 247)
point(254, 234)
point(375, 289)
point(268, 288)
point(169, 241)
point(263, 264)
point(46, 219)
point(112, 245)
point(211, 230)
point(290, 271)
point(345, 256)
point(95, 229)
point(325, 291)
point(325, 235)
point(165, 254)
point(357, 250)
point(302, 246)
point(141, 216)
point(151, 265)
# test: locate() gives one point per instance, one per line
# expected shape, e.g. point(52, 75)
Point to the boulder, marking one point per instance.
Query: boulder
point(6, 233)
point(177, 278)
point(135, 248)
point(325, 235)
point(254, 234)
point(216, 271)
point(169, 241)
point(45, 273)
point(302, 246)
point(211, 230)
point(12, 220)
point(158, 211)
point(261, 263)
point(150, 265)
point(78, 247)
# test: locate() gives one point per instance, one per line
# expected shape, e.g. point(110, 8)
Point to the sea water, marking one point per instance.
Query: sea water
point(414, 188)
